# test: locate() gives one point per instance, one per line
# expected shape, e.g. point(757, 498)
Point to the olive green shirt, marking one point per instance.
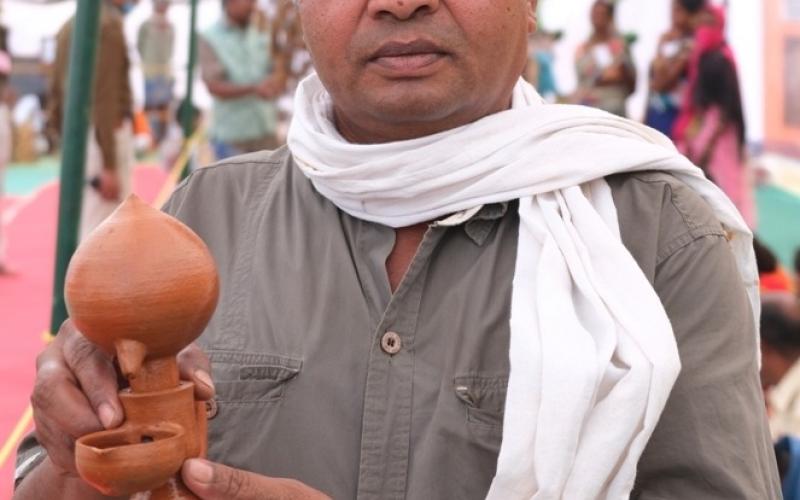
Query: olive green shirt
point(325, 376)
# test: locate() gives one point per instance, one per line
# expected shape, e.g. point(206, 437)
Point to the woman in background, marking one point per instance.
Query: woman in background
point(669, 71)
point(606, 76)
point(715, 136)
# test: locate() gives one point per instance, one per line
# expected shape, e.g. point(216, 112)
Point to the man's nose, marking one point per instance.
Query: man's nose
point(401, 9)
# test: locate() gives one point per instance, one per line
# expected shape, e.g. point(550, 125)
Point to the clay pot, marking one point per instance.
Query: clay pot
point(143, 286)
point(131, 459)
point(142, 276)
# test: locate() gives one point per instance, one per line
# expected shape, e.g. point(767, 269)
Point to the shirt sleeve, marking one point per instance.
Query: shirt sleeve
point(712, 441)
point(29, 455)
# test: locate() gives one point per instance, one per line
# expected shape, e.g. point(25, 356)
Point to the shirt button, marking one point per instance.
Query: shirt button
point(391, 343)
point(212, 408)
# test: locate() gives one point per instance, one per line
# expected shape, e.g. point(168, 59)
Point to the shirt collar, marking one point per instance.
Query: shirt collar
point(478, 221)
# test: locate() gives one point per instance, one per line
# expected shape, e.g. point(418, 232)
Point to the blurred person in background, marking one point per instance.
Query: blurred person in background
point(669, 72)
point(244, 76)
point(715, 137)
point(780, 354)
point(6, 143)
point(606, 74)
point(540, 70)
point(287, 38)
point(156, 42)
point(708, 24)
point(110, 150)
point(771, 274)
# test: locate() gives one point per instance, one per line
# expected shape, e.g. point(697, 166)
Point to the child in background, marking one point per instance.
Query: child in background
point(772, 276)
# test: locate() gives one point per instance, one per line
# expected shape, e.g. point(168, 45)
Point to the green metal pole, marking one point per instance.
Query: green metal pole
point(187, 113)
point(83, 51)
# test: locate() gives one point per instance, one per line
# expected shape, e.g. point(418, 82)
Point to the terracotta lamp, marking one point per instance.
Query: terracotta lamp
point(143, 286)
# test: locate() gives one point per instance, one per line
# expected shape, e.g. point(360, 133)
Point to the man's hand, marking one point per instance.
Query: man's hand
point(109, 185)
point(269, 89)
point(76, 392)
point(210, 481)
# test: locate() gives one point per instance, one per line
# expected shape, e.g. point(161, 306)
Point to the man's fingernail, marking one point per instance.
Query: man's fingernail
point(199, 470)
point(204, 378)
point(106, 414)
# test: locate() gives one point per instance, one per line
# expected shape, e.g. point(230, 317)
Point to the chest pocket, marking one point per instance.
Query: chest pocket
point(244, 378)
point(484, 401)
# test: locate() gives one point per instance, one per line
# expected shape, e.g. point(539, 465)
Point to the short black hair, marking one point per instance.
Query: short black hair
point(693, 6)
point(779, 328)
point(765, 259)
point(610, 6)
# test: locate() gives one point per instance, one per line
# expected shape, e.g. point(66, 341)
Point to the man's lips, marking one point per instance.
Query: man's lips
point(407, 58)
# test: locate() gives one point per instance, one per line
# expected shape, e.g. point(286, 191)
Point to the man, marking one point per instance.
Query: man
point(780, 373)
point(440, 291)
point(155, 42)
point(110, 153)
point(243, 76)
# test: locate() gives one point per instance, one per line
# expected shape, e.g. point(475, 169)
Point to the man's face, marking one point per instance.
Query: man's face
point(601, 17)
point(161, 7)
point(240, 11)
point(681, 18)
point(414, 67)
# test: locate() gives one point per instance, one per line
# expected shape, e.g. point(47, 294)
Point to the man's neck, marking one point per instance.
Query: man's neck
point(602, 36)
point(407, 241)
point(242, 25)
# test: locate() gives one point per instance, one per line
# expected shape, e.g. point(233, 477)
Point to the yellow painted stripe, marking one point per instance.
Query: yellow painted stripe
point(47, 337)
point(177, 168)
point(16, 435)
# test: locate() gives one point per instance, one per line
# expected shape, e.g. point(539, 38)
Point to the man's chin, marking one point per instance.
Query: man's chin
point(412, 101)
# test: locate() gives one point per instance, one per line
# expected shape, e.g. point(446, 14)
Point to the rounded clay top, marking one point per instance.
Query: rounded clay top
point(142, 275)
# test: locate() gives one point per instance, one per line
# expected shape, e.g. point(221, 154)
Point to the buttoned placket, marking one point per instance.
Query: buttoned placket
point(386, 420)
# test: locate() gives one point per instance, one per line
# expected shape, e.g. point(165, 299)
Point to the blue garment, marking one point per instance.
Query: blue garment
point(224, 150)
point(790, 446)
point(661, 113)
point(547, 77)
point(157, 92)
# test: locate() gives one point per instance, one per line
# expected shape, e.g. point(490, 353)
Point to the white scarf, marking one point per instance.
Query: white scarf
point(592, 353)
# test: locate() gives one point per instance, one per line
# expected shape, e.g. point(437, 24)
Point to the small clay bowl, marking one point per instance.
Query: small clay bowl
point(131, 459)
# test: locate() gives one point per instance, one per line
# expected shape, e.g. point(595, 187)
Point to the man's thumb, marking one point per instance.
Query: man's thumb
point(211, 481)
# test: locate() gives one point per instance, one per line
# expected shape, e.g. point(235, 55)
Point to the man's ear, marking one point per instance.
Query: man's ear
point(532, 21)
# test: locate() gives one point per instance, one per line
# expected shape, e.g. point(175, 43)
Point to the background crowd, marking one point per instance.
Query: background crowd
point(252, 57)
